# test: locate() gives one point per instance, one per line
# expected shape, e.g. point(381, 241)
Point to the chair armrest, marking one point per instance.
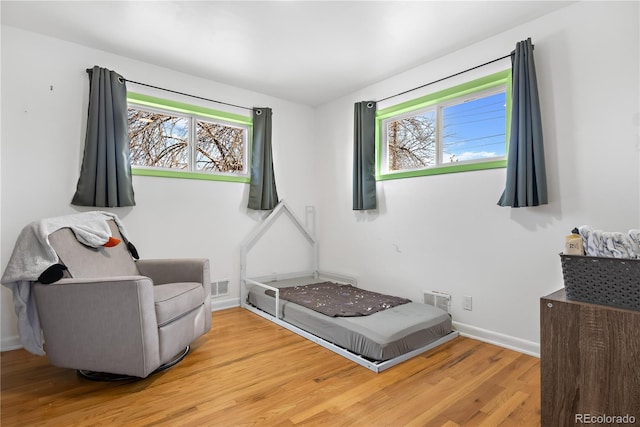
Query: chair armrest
point(122, 280)
point(163, 271)
point(102, 324)
point(177, 270)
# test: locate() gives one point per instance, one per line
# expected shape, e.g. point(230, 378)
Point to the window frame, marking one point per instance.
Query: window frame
point(436, 101)
point(194, 112)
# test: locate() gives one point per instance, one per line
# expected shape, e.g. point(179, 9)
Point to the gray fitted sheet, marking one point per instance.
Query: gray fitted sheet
point(379, 336)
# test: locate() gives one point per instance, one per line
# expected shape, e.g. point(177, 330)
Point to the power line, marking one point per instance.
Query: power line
point(448, 144)
point(475, 121)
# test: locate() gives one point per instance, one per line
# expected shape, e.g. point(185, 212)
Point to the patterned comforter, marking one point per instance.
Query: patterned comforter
point(338, 300)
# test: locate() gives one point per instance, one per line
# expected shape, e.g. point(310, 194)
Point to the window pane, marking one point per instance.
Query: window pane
point(158, 140)
point(219, 148)
point(474, 130)
point(412, 142)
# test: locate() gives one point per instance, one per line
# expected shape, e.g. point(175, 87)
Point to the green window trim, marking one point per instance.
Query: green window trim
point(198, 111)
point(478, 85)
point(168, 173)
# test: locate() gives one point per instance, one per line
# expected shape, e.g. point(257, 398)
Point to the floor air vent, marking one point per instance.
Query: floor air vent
point(219, 287)
point(438, 299)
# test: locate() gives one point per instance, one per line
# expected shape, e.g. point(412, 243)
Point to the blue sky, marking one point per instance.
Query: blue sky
point(475, 129)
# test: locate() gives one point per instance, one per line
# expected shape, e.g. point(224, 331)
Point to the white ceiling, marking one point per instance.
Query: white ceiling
point(308, 52)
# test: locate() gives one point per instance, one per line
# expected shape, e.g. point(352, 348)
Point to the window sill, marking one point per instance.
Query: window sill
point(162, 173)
point(440, 170)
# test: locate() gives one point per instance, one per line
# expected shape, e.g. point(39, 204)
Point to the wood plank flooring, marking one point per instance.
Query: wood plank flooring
point(248, 371)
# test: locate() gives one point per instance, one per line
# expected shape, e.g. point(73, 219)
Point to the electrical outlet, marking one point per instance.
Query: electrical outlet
point(468, 304)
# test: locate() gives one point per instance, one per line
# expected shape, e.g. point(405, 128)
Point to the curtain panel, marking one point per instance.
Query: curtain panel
point(105, 175)
point(263, 194)
point(364, 156)
point(526, 183)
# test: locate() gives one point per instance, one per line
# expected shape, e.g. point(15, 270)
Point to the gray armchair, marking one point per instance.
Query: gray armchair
point(115, 315)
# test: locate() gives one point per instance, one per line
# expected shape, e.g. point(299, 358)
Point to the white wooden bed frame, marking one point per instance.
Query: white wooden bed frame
point(254, 237)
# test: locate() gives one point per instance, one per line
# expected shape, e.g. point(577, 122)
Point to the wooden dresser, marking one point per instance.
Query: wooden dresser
point(590, 363)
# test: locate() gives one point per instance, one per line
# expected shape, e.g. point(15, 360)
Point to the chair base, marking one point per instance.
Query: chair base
point(106, 376)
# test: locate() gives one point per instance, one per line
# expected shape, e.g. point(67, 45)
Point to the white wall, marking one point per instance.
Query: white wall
point(44, 104)
point(446, 232)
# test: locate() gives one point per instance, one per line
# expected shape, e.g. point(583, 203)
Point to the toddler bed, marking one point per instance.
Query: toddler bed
point(376, 341)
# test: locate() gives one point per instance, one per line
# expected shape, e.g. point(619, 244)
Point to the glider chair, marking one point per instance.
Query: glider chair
point(113, 317)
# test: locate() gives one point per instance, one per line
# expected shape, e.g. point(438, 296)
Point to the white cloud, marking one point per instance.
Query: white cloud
point(472, 155)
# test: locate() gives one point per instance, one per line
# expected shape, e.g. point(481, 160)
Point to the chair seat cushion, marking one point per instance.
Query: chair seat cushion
point(174, 300)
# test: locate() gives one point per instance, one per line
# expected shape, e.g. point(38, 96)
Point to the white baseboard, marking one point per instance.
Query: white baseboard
point(224, 303)
point(512, 343)
point(10, 343)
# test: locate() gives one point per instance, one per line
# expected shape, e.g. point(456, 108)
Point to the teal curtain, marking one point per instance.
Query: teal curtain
point(263, 194)
point(105, 175)
point(364, 156)
point(526, 183)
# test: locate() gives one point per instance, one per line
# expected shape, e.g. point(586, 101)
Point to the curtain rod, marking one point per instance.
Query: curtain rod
point(445, 78)
point(89, 71)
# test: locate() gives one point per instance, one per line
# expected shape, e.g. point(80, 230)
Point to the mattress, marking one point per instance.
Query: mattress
point(380, 336)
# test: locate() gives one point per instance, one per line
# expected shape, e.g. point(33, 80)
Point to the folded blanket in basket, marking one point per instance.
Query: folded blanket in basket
point(336, 300)
point(610, 243)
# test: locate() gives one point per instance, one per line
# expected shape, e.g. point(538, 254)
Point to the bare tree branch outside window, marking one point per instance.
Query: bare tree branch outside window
point(158, 140)
point(471, 130)
point(220, 148)
point(412, 142)
point(163, 140)
point(458, 132)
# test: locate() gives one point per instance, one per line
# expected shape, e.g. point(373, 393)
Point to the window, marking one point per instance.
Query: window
point(458, 129)
point(178, 140)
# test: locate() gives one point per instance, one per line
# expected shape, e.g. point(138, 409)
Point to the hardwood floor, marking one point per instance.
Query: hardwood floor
point(248, 371)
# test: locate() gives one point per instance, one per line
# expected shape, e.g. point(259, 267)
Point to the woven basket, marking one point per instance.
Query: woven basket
point(599, 280)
